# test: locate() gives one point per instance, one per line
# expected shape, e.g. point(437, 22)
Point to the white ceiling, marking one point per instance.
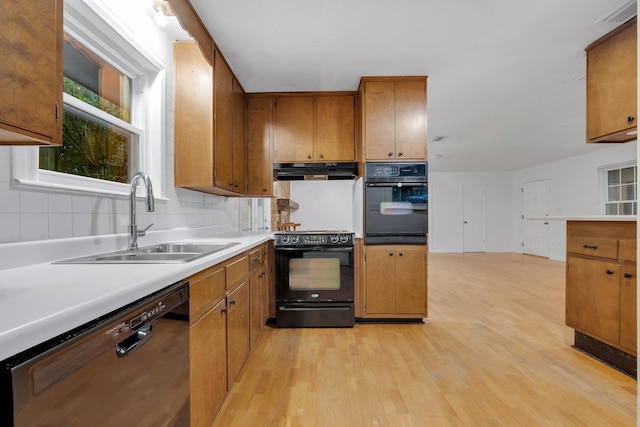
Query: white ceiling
point(500, 71)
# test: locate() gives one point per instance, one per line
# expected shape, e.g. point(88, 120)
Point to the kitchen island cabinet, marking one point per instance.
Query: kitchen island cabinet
point(601, 289)
point(31, 72)
point(395, 281)
point(393, 118)
point(612, 86)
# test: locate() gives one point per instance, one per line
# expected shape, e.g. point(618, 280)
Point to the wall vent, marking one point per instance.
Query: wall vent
point(620, 14)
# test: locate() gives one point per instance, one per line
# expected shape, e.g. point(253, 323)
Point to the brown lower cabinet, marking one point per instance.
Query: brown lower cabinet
point(395, 281)
point(220, 308)
point(601, 282)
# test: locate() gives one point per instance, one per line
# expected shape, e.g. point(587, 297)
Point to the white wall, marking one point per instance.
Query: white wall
point(327, 205)
point(445, 209)
point(574, 189)
point(27, 215)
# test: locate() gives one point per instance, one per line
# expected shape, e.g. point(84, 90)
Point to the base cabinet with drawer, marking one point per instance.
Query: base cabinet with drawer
point(601, 282)
point(219, 316)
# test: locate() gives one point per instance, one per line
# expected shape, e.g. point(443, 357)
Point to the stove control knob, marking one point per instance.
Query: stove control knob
point(334, 238)
point(294, 239)
point(344, 238)
point(284, 239)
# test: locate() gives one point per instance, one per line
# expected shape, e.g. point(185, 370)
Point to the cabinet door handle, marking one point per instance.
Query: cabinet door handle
point(264, 190)
point(390, 153)
point(256, 258)
point(224, 310)
point(630, 119)
point(390, 253)
point(308, 156)
point(400, 254)
point(609, 271)
point(400, 153)
point(322, 156)
point(232, 302)
point(590, 246)
point(628, 275)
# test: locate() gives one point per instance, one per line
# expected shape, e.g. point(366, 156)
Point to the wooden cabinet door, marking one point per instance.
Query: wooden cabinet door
point(628, 309)
point(31, 72)
point(255, 306)
point(193, 117)
point(294, 129)
point(208, 365)
point(411, 114)
point(379, 121)
point(612, 85)
point(239, 139)
point(237, 331)
point(380, 274)
point(335, 127)
point(593, 298)
point(259, 163)
point(411, 280)
point(223, 109)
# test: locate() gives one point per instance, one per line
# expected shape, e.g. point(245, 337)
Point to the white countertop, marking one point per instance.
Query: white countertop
point(608, 218)
point(41, 301)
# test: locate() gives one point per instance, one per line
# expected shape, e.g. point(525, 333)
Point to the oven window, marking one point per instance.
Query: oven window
point(404, 200)
point(316, 270)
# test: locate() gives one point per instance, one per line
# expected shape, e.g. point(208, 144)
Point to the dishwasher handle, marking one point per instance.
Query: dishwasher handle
point(134, 341)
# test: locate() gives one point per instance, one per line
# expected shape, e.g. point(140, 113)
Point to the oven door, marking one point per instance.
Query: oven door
point(396, 212)
point(314, 274)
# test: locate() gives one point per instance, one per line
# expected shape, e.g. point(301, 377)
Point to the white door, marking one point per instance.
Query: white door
point(473, 219)
point(534, 203)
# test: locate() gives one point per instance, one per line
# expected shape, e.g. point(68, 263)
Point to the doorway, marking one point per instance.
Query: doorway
point(535, 240)
point(474, 231)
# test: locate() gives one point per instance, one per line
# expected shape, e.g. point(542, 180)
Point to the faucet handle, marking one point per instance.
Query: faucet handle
point(144, 232)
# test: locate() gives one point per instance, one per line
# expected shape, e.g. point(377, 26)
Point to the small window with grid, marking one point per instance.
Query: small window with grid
point(621, 191)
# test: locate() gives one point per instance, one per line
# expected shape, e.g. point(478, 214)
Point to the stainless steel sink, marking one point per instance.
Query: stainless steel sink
point(163, 253)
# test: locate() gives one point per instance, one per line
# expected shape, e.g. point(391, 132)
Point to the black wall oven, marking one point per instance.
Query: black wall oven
point(396, 203)
point(314, 279)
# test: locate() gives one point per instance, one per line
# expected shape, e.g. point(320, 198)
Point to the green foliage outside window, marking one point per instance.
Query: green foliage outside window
point(90, 148)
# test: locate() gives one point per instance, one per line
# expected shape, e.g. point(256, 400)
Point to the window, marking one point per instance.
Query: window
point(102, 148)
point(621, 190)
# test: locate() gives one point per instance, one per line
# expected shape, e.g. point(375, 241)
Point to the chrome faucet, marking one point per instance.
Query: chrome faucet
point(133, 227)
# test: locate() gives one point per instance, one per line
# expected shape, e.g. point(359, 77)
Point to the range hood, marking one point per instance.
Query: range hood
point(315, 171)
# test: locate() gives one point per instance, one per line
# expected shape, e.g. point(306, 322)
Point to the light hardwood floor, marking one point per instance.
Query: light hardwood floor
point(494, 351)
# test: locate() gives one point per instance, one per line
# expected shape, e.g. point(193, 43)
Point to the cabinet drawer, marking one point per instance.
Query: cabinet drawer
point(627, 250)
point(205, 290)
point(237, 270)
point(604, 248)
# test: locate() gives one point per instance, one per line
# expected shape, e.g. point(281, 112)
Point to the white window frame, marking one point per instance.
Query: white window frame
point(98, 28)
point(604, 183)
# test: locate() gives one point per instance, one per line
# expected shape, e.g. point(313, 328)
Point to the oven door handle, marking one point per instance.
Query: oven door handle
point(396, 184)
point(315, 249)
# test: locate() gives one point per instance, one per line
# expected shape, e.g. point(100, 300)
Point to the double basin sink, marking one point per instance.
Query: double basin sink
point(163, 253)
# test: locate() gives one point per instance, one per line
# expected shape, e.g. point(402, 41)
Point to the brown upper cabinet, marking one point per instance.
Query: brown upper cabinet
point(229, 119)
point(612, 86)
point(209, 141)
point(394, 118)
point(31, 72)
point(260, 174)
point(314, 127)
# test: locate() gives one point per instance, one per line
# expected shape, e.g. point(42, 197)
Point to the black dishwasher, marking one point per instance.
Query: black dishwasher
point(127, 368)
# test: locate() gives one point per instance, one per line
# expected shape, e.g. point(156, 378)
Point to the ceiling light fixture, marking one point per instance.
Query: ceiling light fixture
point(160, 15)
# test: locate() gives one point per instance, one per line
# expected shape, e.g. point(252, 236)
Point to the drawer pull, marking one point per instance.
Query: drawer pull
point(628, 275)
point(590, 247)
point(609, 271)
